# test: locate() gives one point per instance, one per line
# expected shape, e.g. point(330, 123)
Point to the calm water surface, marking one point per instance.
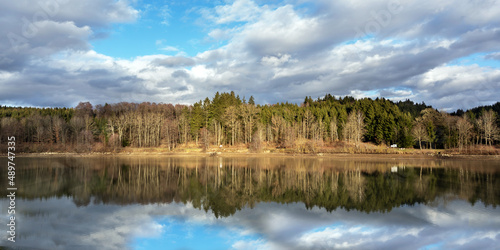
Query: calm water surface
point(253, 203)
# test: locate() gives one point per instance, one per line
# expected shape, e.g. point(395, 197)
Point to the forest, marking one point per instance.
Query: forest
point(231, 121)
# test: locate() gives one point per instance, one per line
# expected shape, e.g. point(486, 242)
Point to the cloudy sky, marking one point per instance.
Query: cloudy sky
point(61, 52)
point(451, 224)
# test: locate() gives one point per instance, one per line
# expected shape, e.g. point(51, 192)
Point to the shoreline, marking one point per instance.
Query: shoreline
point(258, 155)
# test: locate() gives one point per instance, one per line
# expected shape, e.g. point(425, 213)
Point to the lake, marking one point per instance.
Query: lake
point(253, 203)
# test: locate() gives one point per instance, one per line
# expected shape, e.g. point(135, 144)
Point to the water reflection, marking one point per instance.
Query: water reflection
point(112, 203)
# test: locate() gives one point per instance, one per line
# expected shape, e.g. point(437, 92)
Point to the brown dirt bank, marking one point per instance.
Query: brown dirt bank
point(257, 155)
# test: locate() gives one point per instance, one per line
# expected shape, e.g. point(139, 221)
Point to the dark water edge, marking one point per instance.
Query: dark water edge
point(316, 198)
point(227, 184)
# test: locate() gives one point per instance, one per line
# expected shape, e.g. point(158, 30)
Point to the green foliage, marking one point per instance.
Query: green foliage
point(229, 120)
point(197, 119)
point(410, 107)
point(251, 101)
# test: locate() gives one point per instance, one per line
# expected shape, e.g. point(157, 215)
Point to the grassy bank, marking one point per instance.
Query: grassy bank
point(301, 148)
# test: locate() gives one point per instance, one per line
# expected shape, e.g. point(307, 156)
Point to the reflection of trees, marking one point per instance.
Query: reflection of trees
point(361, 185)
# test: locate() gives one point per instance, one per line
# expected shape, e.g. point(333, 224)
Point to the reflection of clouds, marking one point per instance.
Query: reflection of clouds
point(59, 224)
point(294, 227)
point(353, 237)
point(478, 236)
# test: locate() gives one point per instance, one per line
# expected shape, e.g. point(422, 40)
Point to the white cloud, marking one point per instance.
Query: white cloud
point(275, 52)
point(280, 31)
point(275, 61)
point(169, 48)
point(165, 15)
point(254, 244)
point(493, 56)
point(472, 85)
point(238, 11)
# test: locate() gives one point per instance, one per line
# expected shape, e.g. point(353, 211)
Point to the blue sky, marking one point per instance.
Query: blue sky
point(165, 27)
point(61, 52)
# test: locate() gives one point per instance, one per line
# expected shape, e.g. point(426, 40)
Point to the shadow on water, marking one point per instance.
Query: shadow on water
point(225, 185)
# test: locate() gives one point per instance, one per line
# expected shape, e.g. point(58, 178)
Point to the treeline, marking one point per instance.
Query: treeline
point(227, 119)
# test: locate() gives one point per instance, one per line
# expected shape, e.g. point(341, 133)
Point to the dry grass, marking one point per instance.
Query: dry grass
point(301, 146)
point(475, 150)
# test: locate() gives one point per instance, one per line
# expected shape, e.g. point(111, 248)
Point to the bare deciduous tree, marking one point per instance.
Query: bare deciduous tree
point(419, 133)
point(231, 118)
point(307, 120)
point(464, 128)
point(334, 136)
point(248, 114)
point(355, 127)
point(204, 138)
point(488, 127)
